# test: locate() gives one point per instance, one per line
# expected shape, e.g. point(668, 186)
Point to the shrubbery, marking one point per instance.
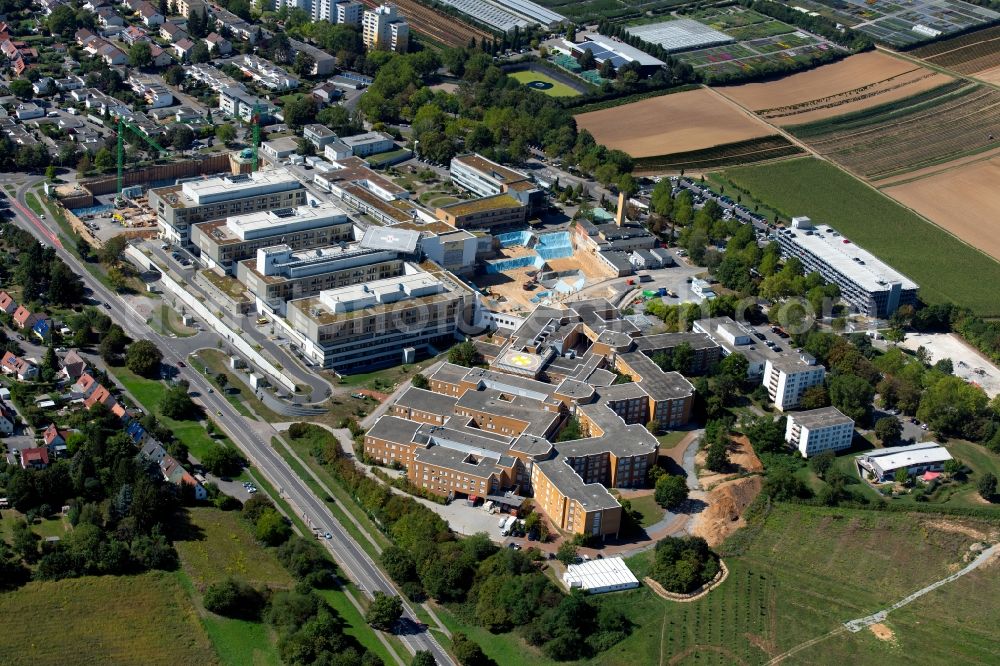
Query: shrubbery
point(684, 564)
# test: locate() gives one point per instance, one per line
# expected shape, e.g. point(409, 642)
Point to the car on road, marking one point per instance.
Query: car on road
point(327, 536)
point(107, 306)
point(211, 390)
point(181, 364)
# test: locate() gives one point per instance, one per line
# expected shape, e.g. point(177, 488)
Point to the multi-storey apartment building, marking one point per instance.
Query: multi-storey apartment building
point(385, 29)
point(787, 377)
point(818, 430)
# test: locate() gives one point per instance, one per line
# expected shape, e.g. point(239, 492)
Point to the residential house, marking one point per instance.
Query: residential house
point(8, 419)
point(42, 329)
point(182, 47)
point(37, 458)
point(85, 385)
point(327, 94)
point(172, 32)
point(28, 111)
point(14, 365)
point(69, 83)
point(7, 304)
point(133, 35)
point(103, 396)
point(218, 44)
point(55, 439)
point(107, 17)
point(150, 15)
point(160, 57)
point(83, 36)
point(23, 318)
point(74, 366)
point(44, 86)
point(318, 135)
point(175, 473)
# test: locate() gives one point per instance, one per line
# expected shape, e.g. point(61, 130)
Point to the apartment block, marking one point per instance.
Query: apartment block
point(383, 28)
point(818, 430)
point(787, 377)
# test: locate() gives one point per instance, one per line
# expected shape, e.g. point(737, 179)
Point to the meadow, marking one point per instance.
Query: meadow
point(143, 620)
point(946, 269)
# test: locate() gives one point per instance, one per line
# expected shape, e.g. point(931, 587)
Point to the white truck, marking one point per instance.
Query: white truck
point(507, 525)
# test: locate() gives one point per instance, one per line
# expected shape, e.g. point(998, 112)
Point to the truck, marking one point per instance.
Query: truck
point(508, 525)
point(502, 522)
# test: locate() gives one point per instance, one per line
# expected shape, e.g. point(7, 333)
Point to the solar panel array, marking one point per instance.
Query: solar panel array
point(488, 14)
point(602, 53)
point(680, 35)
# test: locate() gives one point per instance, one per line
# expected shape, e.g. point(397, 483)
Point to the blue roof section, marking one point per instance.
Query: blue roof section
point(42, 327)
point(135, 431)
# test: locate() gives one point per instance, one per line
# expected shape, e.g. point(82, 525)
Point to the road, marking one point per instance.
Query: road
point(354, 562)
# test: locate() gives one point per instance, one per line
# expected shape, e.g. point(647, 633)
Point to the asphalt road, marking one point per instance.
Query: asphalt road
point(354, 562)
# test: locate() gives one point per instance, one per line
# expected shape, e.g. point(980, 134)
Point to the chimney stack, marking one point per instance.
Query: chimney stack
point(620, 215)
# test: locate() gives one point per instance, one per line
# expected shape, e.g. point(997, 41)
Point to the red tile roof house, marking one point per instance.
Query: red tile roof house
point(55, 438)
point(103, 396)
point(18, 367)
point(7, 304)
point(37, 458)
point(84, 386)
point(23, 317)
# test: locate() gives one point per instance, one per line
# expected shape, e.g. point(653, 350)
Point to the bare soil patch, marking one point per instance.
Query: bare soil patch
point(991, 75)
point(742, 460)
point(686, 121)
point(726, 504)
point(956, 527)
point(964, 201)
point(882, 632)
point(858, 82)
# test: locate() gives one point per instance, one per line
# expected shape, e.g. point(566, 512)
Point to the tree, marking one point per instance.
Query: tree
point(717, 458)
point(50, 173)
point(143, 358)
point(821, 463)
point(953, 407)
point(223, 461)
point(140, 55)
point(234, 598)
point(814, 397)
point(104, 160)
point(176, 404)
point(468, 652)
point(852, 395)
point(272, 528)
point(423, 658)
point(901, 476)
point(303, 64)
point(222, 380)
point(180, 136)
point(200, 53)
point(987, 486)
point(62, 20)
point(225, 133)
point(300, 111)
point(671, 491)
point(465, 353)
point(21, 88)
point(567, 553)
point(384, 611)
point(174, 75)
point(419, 381)
point(112, 251)
point(888, 429)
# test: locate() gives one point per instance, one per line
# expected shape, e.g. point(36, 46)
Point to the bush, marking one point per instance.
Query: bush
point(684, 564)
point(671, 491)
point(384, 611)
point(234, 598)
point(298, 430)
point(223, 461)
point(306, 561)
point(272, 528)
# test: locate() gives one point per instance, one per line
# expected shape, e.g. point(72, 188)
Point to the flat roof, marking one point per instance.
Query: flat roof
point(662, 341)
point(896, 457)
point(611, 48)
point(492, 169)
point(495, 202)
point(367, 137)
point(658, 384)
point(225, 188)
point(390, 238)
point(610, 572)
point(823, 417)
point(266, 223)
point(591, 496)
point(840, 253)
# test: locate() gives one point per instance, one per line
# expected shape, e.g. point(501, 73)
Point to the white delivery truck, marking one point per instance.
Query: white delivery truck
point(508, 525)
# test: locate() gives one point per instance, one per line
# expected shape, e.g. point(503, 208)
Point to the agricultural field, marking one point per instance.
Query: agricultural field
point(919, 249)
point(975, 54)
point(895, 23)
point(807, 571)
point(543, 83)
point(678, 123)
point(143, 620)
point(852, 84)
point(740, 152)
point(947, 123)
point(965, 200)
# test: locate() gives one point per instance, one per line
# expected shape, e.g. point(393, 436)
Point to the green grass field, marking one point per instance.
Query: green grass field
point(217, 545)
point(650, 510)
point(557, 89)
point(140, 620)
point(946, 269)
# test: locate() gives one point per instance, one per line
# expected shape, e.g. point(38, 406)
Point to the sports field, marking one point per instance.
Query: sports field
point(543, 84)
point(97, 620)
point(921, 250)
point(682, 122)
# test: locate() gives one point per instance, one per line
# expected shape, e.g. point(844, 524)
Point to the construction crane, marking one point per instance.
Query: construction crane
point(122, 126)
point(255, 124)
